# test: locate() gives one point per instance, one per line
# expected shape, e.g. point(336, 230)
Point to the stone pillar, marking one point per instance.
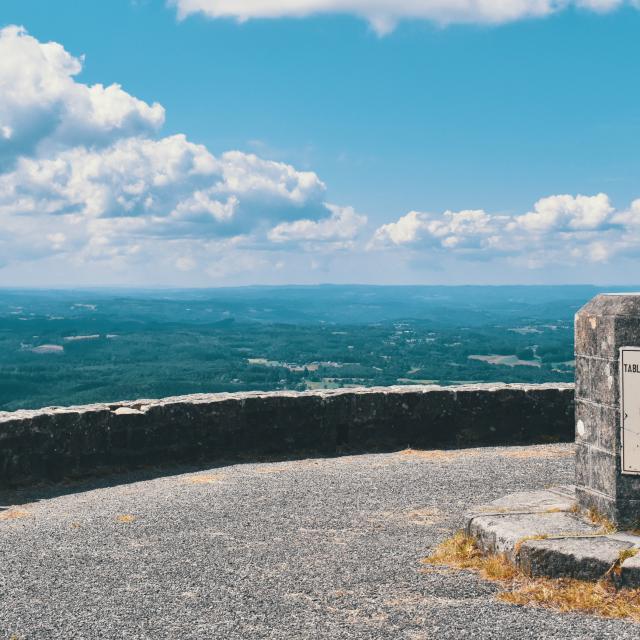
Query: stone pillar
point(604, 436)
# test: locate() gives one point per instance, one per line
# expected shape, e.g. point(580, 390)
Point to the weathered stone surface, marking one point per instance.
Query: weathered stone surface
point(597, 380)
point(55, 443)
point(606, 323)
point(580, 558)
point(603, 326)
point(589, 418)
point(557, 499)
point(503, 533)
point(604, 474)
point(541, 533)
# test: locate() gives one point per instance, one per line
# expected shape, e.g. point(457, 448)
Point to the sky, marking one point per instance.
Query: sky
point(197, 143)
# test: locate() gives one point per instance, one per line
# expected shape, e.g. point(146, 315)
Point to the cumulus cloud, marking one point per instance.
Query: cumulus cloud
point(461, 229)
point(567, 213)
point(43, 107)
point(559, 229)
point(83, 174)
point(340, 228)
point(169, 181)
point(383, 15)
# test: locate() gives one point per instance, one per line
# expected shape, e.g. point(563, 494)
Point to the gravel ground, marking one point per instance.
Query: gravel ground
point(319, 548)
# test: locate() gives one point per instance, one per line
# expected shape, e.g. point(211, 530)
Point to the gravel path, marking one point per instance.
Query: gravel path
point(320, 548)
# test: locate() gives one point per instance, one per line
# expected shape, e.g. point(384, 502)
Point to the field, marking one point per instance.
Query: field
point(72, 347)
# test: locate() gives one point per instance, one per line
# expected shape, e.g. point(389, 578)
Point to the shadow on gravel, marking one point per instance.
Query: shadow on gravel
point(106, 478)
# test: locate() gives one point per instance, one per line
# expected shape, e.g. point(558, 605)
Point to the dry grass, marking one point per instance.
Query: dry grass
point(596, 598)
point(542, 453)
point(125, 518)
point(209, 478)
point(625, 554)
point(423, 516)
point(459, 552)
point(267, 470)
point(13, 514)
point(542, 536)
point(565, 595)
point(445, 455)
point(419, 517)
point(602, 521)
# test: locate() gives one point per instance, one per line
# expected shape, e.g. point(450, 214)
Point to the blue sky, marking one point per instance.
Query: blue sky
point(430, 138)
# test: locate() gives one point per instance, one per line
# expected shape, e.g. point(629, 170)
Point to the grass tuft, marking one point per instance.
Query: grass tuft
point(460, 552)
point(541, 536)
point(444, 455)
point(625, 554)
point(565, 595)
point(125, 519)
point(602, 521)
point(540, 452)
point(208, 478)
point(13, 514)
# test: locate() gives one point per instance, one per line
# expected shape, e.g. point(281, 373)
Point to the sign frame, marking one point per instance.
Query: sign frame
point(623, 414)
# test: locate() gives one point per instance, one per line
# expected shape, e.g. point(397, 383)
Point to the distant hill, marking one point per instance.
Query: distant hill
point(68, 347)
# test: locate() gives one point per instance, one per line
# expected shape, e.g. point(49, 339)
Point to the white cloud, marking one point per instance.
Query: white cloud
point(470, 229)
point(84, 177)
point(341, 227)
point(383, 15)
point(565, 212)
point(43, 107)
point(561, 229)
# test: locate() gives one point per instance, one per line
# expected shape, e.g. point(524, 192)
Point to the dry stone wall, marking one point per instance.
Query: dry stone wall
point(57, 443)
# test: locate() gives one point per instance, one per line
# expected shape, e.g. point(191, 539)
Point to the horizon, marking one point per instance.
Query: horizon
point(626, 289)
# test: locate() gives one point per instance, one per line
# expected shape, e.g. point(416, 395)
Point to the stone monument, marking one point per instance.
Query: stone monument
point(607, 346)
point(590, 531)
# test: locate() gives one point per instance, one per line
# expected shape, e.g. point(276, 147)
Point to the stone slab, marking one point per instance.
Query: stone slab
point(560, 498)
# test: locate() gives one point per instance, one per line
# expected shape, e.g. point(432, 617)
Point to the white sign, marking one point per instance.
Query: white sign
point(630, 409)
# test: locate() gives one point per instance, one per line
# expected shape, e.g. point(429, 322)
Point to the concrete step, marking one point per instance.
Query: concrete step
point(544, 535)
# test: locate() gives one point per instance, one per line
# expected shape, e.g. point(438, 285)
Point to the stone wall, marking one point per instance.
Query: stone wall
point(56, 443)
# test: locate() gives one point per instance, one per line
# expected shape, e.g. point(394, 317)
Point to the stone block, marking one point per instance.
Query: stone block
point(583, 468)
point(590, 499)
point(604, 473)
point(588, 420)
point(594, 335)
point(597, 380)
point(630, 573)
point(598, 425)
point(628, 487)
point(579, 558)
point(502, 533)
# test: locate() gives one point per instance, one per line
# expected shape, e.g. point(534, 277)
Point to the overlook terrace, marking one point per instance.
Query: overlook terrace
point(316, 548)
